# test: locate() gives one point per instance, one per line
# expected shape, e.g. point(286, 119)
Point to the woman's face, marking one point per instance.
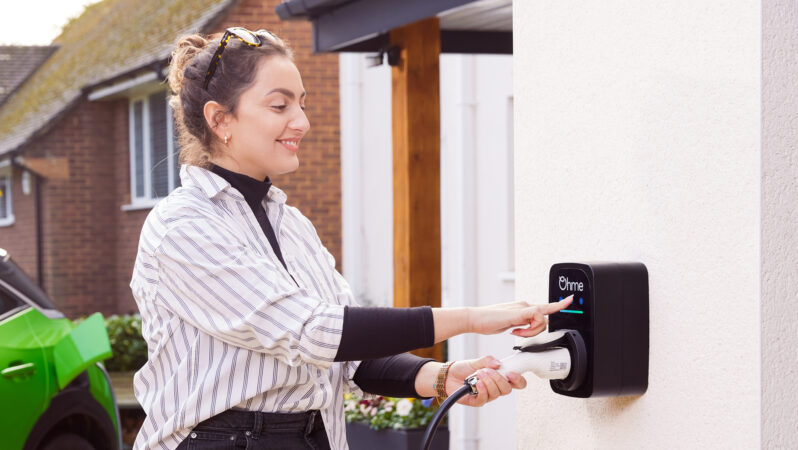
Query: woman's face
point(269, 122)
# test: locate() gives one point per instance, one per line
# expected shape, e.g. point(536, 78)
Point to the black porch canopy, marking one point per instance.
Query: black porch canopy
point(467, 26)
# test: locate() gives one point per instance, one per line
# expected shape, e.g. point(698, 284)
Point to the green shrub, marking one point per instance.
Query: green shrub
point(127, 344)
point(130, 349)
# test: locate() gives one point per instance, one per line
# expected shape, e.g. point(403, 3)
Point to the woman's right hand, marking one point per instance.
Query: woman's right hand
point(498, 318)
point(491, 384)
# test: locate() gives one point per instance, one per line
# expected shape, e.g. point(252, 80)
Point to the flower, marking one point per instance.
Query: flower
point(388, 412)
point(404, 406)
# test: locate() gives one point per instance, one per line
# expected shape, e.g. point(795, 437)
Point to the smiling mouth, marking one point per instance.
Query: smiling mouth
point(290, 144)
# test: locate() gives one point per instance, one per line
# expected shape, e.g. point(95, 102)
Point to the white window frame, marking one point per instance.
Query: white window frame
point(7, 172)
point(148, 201)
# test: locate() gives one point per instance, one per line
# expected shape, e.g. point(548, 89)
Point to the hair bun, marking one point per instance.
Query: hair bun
point(187, 48)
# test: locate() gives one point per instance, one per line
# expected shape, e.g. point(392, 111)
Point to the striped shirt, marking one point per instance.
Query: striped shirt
point(226, 325)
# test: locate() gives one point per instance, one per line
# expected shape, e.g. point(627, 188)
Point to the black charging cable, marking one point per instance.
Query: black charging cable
point(470, 387)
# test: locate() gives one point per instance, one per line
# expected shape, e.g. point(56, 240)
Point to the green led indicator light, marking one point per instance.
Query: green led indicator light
point(572, 311)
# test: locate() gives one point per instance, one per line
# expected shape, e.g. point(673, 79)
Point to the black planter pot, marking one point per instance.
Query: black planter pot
point(361, 437)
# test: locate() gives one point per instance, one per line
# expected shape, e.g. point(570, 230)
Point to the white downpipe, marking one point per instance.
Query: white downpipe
point(458, 221)
point(351, 91)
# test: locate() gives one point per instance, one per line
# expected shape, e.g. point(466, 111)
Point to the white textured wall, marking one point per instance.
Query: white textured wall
point(638, 138)
point(780, 224)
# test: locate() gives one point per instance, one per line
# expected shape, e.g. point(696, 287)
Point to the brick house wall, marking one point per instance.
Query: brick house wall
point(129, 223)
point(90, 242)
point(78, 232)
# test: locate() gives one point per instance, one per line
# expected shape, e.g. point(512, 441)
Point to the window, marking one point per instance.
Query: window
point(154, 172)
point(6, 209)
point(8, 303)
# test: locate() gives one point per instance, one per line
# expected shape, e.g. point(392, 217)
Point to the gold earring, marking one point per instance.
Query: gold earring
point(225, 139)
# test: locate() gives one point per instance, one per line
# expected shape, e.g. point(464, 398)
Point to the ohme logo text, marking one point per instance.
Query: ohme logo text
point(566, 285)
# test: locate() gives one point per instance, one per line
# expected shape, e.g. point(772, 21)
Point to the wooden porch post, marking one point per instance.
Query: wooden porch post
point(416, 169)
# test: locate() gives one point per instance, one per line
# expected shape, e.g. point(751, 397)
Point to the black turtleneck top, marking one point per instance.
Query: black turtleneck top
point(254, 191)
point(376, 336)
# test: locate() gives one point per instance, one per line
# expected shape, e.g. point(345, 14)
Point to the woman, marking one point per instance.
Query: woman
point(253, 335)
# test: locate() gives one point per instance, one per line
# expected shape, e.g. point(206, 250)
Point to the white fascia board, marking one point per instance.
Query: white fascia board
point(122, 86)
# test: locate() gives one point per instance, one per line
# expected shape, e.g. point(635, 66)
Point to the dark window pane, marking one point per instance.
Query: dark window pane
point(22, 283)
point(4, 197)
point(8, 302)
point(159, 173)
point(176, 154)
point(138, 143)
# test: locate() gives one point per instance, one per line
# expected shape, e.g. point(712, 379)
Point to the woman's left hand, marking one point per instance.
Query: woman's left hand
point(491, 385)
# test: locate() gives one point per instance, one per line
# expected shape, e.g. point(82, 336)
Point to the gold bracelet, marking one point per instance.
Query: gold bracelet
point(440, 382)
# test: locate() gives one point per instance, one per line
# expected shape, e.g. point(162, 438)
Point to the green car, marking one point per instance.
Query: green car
point(54, 390)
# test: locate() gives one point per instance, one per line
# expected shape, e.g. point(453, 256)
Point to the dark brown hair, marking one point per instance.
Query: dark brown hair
point(235, 73)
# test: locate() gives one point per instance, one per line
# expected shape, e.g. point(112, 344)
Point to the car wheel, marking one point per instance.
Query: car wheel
point(70, 441)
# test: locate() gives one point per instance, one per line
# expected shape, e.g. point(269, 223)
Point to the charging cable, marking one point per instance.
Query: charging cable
point(553, 356)
point(432, 427)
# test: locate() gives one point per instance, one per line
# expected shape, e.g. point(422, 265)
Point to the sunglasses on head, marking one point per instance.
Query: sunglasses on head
point(250, 38)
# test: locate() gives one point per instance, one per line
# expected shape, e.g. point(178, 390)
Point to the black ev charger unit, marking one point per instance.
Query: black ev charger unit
point(610, 312)
point(597, 347)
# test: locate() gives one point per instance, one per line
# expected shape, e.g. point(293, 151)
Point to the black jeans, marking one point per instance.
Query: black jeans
point(253, 430)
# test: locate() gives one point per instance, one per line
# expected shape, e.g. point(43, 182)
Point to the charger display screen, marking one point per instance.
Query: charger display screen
point(565, 282)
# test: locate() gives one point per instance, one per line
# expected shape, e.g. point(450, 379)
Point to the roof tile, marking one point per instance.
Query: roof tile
point(17, 62)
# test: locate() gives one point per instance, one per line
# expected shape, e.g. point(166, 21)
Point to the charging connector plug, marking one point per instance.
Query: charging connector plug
point(566, 339)
point(560, 355)
point(554, 364)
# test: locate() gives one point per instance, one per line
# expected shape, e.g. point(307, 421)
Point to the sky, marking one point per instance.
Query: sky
point(36, 22)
